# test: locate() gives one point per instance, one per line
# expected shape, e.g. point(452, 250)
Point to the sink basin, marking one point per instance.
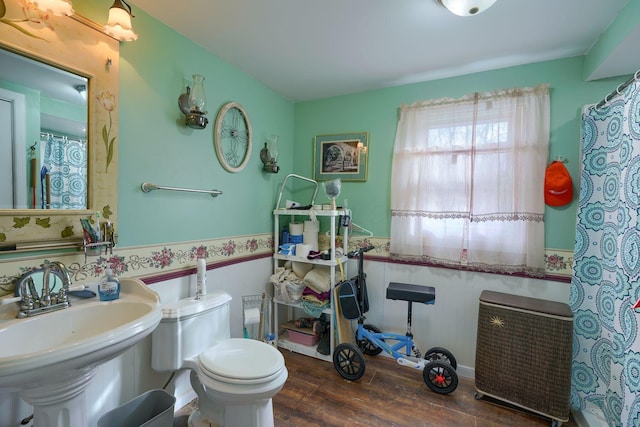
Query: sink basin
point(54, 355)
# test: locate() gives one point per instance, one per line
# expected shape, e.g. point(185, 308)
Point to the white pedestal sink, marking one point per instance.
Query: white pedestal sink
point(50, 359)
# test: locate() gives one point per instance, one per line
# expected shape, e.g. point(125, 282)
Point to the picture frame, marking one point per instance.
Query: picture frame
point(344, 156)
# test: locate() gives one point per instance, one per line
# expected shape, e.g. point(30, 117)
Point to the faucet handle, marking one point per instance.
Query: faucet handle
point(62, 296)
point(32, 290)
point(27, 303)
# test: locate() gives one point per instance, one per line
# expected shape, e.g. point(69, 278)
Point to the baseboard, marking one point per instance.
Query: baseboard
point(461, 370)
point(591, 416)
point(466, 371)
point(183, 391)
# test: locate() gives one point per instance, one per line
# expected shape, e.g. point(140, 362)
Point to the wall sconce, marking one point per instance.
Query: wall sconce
point(56, 7)
point(193, 102)
point(466, 7)
point(119, 23)
point(269, 155)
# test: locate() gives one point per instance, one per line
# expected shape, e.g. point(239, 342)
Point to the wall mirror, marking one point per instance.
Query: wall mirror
point(47, 109)
point(71, 52)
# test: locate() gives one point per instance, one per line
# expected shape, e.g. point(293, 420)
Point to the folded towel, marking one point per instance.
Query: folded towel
point(321, 296)
point(301, 268)
point(319, 279)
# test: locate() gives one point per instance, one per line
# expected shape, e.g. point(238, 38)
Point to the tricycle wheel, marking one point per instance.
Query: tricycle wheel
point(442, 355)
point(349, 361)
point(367, 346)
point(440, 377)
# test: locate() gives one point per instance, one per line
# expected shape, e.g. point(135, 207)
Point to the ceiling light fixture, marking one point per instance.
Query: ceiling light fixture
point(466, 7)
point(56, 7)
point(119, 23)
point(82, 90)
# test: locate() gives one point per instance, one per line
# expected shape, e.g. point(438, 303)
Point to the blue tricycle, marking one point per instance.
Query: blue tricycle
point(438, 365)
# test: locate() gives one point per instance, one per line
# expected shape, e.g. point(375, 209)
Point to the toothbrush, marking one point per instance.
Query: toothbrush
point(43, 174)
point(97, 227)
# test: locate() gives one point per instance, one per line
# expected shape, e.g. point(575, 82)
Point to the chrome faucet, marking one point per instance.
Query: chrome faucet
point(33, 304)
point(66, 280)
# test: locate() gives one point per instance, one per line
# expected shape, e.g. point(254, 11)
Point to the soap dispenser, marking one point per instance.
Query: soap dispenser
point(109, 287)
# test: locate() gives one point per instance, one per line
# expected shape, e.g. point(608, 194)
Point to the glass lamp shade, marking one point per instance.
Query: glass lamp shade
point(119, 24)
point(56, 7)
point(467, 7)
point(197, 99)
point(273, 147)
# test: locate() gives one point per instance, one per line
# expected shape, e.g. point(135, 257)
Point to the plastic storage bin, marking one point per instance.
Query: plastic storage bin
point(301, 335)
point(151, 409)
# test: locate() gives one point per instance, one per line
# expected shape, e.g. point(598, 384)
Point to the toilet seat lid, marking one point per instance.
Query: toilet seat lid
point(241, 359)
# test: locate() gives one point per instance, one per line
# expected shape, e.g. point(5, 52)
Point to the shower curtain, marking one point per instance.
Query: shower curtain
point(66, 161)
point(606, 268)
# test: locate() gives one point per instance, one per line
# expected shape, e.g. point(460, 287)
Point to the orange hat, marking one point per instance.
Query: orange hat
point(558, 187)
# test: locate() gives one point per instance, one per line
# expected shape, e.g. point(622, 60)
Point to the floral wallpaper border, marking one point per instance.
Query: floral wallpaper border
point(146, 261)
point(142, 261)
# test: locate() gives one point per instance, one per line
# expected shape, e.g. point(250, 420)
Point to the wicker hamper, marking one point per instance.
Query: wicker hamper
point(523, 353)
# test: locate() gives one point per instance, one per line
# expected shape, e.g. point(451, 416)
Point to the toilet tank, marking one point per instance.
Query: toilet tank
point(188, 327)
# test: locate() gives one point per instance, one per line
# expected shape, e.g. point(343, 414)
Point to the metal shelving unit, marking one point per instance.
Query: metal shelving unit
point(279, 260)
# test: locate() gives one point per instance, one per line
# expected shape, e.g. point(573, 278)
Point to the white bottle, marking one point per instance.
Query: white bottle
point(201, 278)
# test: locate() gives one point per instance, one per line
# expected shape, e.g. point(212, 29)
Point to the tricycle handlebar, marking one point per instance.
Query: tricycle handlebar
point(359, 251)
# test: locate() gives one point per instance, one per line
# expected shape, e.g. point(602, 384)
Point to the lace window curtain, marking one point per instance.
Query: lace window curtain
point(468, 180)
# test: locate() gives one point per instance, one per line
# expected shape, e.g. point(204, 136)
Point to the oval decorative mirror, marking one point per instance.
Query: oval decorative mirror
point(75, 48)
point(232, 137)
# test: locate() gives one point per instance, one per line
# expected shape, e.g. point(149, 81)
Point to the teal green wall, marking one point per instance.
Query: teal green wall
point(65, 110)
point(377, 112)
point(155, 145)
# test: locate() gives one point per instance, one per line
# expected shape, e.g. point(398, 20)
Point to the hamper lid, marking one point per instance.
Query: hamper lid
point(526, 303)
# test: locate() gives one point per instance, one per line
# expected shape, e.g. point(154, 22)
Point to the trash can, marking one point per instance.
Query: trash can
point(151, 409)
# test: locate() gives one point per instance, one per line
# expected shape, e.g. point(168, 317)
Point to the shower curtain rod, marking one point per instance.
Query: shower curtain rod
point(70, 138)
point(619, 89)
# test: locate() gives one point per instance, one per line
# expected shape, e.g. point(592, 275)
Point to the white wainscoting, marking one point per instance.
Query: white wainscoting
point(450, 323)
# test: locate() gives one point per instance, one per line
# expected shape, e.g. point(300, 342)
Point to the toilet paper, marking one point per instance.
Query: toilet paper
point(310, 238)
point(296, 228)
point(251, 316)
point(311, 226)
point(302, 250)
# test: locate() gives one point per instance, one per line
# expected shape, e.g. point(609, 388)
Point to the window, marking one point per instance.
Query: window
point(467, 181)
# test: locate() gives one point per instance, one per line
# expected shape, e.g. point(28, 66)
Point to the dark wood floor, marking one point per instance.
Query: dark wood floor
point(387, 395)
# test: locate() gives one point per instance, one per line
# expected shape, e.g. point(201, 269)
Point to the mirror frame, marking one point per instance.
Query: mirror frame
point(80, 46)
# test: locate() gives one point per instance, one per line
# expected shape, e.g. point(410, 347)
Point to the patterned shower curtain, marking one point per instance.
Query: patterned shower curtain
point(606, 270)
point(66, 160)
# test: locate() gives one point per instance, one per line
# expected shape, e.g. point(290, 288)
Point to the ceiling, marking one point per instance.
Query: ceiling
point(51, 82)
point(308, 50)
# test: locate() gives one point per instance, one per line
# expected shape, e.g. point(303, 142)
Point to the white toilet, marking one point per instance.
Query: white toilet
point(234, 378)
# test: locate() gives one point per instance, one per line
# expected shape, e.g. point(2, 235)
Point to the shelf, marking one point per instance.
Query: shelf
point(327, 310)
point(307, 350)
point(294, 309)
point(316, 212)
point(328, 263)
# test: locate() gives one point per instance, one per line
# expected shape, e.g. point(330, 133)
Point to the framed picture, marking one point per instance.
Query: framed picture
point(341, 156)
